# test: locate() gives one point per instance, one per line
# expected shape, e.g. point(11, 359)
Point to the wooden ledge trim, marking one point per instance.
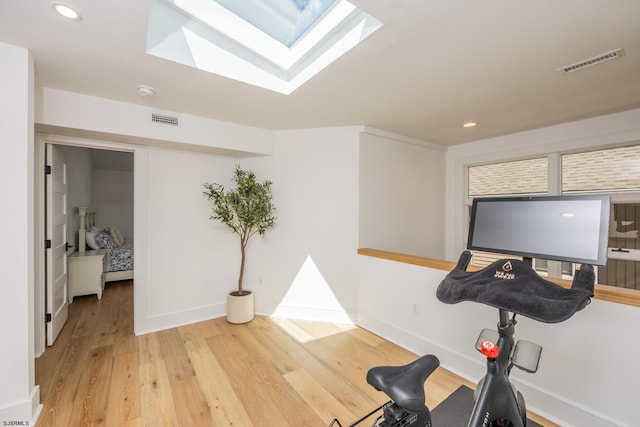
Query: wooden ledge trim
point(408, 259)
point(602, 292)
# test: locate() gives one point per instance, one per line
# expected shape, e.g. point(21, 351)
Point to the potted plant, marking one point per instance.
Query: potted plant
point(247, 210)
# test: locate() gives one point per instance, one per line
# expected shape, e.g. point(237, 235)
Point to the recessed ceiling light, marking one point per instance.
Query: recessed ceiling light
point(145, 90)
point(66, 11)
point(469, 124)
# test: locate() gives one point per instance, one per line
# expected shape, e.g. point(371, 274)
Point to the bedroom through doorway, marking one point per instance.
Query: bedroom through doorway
point(98, 202)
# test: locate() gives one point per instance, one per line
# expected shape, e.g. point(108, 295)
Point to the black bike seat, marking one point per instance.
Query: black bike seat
point(404, 384)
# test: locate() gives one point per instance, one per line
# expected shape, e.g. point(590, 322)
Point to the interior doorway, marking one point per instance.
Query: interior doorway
point(111, 190)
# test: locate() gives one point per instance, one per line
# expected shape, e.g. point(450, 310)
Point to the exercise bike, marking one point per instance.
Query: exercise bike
point(512, 287)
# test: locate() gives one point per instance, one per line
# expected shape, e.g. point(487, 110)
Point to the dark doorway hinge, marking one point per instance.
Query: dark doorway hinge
point(47, 244)
point(47, 317)
point(47, 170)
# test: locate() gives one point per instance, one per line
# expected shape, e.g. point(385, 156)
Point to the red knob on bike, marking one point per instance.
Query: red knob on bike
point(489, 349)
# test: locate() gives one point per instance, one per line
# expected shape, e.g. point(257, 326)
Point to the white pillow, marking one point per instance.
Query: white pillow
point(90, 237)
point(117, 236)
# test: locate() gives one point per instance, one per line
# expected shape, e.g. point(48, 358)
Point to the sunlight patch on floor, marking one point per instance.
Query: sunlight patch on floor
point(305, 331)
point(310, 297)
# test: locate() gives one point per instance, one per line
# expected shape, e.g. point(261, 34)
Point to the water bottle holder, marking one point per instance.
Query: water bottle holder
point(526, 356)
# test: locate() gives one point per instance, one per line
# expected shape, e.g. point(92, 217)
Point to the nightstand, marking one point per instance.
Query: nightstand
point(85, 273)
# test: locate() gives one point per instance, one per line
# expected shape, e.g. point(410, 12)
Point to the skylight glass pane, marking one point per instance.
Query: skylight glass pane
point(284, 20)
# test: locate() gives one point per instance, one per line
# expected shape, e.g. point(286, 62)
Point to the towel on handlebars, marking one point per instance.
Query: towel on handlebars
point(512, 285)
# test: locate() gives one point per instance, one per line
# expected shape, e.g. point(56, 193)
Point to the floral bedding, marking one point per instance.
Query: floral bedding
point(118, 257)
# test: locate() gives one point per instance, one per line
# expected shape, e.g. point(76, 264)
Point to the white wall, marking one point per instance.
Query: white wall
point(190, 261)
point(318, 189)
point(401, 191)
point(167, 189)
point(99, 118)
point(306, 267)
point(19, 397)
point(79, 187)
point(113, 199)
point(194, 262)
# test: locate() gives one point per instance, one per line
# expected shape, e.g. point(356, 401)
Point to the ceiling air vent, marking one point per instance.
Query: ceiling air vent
point(164, 119)
point(617, 53)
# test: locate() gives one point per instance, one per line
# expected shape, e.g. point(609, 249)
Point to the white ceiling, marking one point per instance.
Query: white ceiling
point(433, 65)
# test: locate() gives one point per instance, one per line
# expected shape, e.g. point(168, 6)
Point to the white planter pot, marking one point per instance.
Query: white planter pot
point(240, 308)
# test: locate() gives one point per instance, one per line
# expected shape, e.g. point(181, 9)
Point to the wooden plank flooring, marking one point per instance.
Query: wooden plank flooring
point(270, 372)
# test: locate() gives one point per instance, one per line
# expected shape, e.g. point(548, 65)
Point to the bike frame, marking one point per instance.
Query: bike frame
point(497, 398)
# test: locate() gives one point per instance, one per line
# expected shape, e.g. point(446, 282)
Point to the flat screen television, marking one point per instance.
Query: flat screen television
point(561, 228)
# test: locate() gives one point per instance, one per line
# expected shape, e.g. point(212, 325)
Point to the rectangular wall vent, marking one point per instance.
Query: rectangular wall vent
point(593, 61)
point(164, 119)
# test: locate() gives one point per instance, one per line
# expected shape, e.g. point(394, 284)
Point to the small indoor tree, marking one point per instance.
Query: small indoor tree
point(246, 209)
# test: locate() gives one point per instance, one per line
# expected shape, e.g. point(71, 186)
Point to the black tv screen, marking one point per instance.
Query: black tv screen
point(561, 228)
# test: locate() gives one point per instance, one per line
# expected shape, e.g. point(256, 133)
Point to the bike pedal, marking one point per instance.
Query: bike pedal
point(526, 356)
point(486, 335)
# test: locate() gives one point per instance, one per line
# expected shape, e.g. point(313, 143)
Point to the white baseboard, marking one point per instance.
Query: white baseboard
point(543, 402)
point(23, 412)
point(181, 318)
point(172, 320)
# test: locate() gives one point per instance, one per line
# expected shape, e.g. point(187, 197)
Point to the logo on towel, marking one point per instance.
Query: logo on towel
point(504, 273)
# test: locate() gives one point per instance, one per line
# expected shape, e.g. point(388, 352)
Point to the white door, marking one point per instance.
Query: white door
point(56, 233)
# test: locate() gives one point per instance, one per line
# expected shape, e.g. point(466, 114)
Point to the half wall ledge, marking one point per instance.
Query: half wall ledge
point(602, 292)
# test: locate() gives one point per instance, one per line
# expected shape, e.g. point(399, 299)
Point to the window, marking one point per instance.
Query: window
point(623, 266)
point(509, 178)
point(483, 259)
point(541, 266)
point(502, 179)
point(615, 171)
point(567, 269)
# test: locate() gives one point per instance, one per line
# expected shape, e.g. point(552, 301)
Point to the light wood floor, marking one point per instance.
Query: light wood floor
point(270, 372)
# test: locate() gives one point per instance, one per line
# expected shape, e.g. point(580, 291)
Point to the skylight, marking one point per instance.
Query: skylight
point(284, 20)
point(236, 40)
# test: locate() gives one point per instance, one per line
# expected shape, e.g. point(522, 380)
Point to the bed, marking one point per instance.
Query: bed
point(118, 260)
